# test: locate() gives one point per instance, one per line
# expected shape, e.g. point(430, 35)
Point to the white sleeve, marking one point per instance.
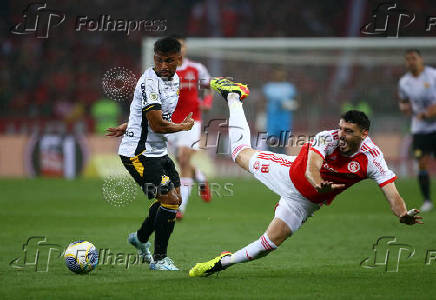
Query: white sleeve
point(433, 85)
point(203, 75)
point(378, 169)
point(401, 92)
point(324, 143)
point(150, 94)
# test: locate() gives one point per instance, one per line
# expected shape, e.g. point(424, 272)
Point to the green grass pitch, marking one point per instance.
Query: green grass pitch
point(322, 260)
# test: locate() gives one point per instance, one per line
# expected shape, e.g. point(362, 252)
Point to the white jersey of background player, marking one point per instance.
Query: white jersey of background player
point(420, 91)
point(417, 93)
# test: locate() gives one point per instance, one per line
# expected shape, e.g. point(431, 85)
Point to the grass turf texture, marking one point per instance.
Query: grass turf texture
point(321, 260)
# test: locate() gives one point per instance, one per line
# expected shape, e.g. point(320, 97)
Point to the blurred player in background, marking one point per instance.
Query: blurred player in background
point(280, 96)
point(194, 79)
point(143, 150)
point(417, 93)
point(331, 163)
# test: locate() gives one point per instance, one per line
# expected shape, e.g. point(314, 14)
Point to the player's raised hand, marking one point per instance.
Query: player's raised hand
point(327, 186)
point(117, 131)
point(411, 217)
point(188, 122)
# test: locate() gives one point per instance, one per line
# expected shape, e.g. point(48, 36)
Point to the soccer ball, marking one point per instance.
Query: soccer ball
point(81, 257)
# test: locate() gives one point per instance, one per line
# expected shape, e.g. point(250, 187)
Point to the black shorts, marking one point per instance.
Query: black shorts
point(424, 144)
point(151, 173)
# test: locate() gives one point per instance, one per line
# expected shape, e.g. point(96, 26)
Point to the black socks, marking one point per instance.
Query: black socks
point(163, 226)
point(147, 226)
point(424, 184)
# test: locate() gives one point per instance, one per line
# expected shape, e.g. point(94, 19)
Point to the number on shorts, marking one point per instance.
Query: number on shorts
point(264, 168)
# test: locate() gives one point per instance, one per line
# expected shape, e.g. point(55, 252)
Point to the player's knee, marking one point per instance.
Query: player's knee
point(243, 158)
point(171, 200)
point(422, 163)
point(184, 156)
point(278, 231)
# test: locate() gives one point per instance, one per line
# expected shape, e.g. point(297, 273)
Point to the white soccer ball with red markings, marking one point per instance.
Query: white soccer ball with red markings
point(81, 257)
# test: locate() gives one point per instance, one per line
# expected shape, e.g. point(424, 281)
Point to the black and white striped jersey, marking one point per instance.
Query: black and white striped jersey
point(151, 93)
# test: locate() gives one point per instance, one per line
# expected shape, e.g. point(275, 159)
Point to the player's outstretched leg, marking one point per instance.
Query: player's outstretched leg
point(164, 223)
point(424, 184)
point(203, 185)
point(278, 231)
point(239, 132)
point(139, 239)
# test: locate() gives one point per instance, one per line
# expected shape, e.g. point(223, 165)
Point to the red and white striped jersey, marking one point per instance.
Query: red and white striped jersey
point(368, 162)
point(192, 76)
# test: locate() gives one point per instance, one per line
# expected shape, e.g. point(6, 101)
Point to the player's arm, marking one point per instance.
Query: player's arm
point(160, 125)
point(204, 79)
point(399, 207)
point(404, 102)
point(430, 112)
point(405, 106)
point(313, 174)
point(116, 131)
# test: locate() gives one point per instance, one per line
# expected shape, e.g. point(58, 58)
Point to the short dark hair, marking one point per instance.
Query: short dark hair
point(412, 50)
point(167, 45)
point(178, 37)
point(357, 117)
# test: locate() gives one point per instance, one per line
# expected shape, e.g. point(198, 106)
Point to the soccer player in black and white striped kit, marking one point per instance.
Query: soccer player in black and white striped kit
point(143, 150)
point(417, 93)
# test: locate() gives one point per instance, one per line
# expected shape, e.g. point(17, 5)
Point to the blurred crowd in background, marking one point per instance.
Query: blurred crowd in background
point(59, 78)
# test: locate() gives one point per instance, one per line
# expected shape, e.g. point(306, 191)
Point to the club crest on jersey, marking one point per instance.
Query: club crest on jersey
point(353, 166)
point(256, 165)
point(153, 96)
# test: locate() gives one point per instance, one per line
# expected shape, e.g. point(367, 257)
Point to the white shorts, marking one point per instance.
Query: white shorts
point(190, 138)
point(273, 170)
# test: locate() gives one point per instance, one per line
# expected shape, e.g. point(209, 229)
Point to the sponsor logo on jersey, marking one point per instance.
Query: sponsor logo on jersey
point(167, 116)
point(129, 133)
point(379, 166)
point(353, 166)
point(327, 167)
point(165, 179)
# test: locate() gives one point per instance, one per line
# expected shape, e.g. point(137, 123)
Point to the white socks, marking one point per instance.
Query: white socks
point(199, 176)
point(239, 132)
point(185, 190)
point(257, 249)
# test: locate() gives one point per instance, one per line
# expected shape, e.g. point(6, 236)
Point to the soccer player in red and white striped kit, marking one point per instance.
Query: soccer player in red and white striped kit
point(328, 165)
point(194, 81)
